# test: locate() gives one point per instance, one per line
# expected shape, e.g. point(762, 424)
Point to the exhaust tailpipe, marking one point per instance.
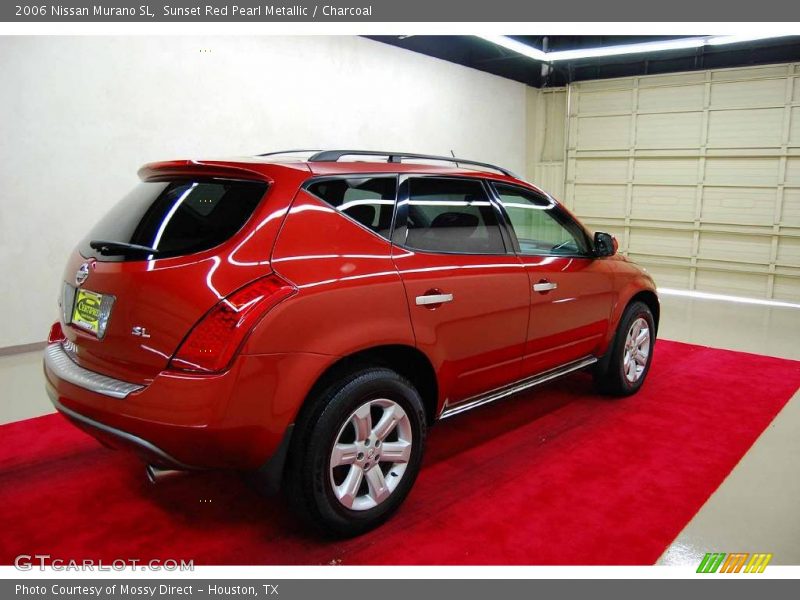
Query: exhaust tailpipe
point(157, 474)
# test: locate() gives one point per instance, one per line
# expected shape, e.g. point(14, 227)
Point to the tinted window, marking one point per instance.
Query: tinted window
point(452, 215)
point(367, 200)
point(176, 217)
point(540, 227)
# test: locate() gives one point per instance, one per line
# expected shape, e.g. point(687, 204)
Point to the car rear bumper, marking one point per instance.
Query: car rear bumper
point(116, 438)
point(237, 419)
point(63, 367)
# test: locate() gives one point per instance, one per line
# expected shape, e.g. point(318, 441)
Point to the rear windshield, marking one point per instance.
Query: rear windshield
point(174, 217)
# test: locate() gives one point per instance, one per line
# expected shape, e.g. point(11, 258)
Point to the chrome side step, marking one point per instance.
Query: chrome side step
point(515, 388)
point(156, 474)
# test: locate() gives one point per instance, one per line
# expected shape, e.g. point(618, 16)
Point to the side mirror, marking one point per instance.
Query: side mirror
point(605, 244)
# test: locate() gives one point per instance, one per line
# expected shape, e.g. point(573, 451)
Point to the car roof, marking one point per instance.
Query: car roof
point(268, 166)
point(357, 166)
point(427, 166)
point(382, 156)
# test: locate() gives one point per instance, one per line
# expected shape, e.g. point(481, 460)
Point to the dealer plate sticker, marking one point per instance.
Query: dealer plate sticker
point(87, 311)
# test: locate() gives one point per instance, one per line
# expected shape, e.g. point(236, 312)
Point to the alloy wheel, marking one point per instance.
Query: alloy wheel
point(370, 454)
point(637, 350)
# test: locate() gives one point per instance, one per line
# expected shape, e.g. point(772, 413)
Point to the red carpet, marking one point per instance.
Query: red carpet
point(560, 476)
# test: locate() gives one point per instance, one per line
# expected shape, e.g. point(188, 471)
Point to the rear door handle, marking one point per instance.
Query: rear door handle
point(428, 299)
point(544, 286)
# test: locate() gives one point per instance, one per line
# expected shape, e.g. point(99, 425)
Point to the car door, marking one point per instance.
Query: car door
point(572, 292)
point(467, 292)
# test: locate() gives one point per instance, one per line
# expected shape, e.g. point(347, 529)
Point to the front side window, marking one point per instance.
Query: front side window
point(367, 200)
point(451, 215)
point(541, 229)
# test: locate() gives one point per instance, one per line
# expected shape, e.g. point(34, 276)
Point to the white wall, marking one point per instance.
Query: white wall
point(80, 115)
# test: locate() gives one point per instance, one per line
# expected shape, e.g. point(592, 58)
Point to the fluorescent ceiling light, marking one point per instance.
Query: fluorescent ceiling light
point(719, 40)
point(518, 47)
point(643, 47)
point(622, 49)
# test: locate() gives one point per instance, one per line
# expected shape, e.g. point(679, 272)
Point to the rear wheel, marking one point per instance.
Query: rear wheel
point(356, 452)
point(624, 370)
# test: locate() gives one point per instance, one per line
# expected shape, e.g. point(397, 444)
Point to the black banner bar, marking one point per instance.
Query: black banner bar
point(515, 11)
point(397, 589)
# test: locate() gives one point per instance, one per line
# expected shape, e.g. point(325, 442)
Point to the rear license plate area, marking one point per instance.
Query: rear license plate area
point(89, 310)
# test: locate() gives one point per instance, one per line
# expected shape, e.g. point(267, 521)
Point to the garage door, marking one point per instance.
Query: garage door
point(697, 174)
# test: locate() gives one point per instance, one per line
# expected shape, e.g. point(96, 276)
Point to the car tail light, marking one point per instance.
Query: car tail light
point(215, 339)
point(56, 334)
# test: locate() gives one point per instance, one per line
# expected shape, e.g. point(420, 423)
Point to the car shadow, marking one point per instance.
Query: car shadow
point(215, 500)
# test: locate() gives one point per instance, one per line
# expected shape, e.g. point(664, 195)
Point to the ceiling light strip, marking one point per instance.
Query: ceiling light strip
point(622, 49)
point(518, 47)
point(644, 47)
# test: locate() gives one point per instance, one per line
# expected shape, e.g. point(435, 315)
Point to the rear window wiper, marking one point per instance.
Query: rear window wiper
point(112, 248)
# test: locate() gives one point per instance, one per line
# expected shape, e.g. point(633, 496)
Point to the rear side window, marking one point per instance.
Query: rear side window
point(367, 200)
point(452, 215)
point(175, 217)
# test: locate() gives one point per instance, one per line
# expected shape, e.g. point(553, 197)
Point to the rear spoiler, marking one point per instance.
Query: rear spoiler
point(184, 168)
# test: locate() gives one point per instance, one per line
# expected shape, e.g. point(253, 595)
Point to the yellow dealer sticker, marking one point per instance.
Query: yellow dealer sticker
point(86, 313)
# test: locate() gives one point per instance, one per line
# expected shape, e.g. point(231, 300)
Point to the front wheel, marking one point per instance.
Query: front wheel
point(624, 370)
point(357, 452)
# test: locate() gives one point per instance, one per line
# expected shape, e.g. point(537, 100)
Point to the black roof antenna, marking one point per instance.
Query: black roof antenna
point(453, 154)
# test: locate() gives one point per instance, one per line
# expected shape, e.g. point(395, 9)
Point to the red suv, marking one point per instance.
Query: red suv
point(306, 318)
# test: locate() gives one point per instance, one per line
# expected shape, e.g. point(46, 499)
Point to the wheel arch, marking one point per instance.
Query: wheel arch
point(650, 299)
point(636, 292)
point(408, 361)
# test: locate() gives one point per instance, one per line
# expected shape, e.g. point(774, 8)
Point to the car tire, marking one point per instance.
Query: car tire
point(356, 452)
point(623, 370)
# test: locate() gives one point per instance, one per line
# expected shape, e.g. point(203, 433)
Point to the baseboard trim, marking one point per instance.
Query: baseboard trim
point(22, 348)
point(727, 298)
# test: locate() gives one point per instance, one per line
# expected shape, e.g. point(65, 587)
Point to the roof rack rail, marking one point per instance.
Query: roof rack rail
point(396, 157)
point(392, 157)
point(299, 151)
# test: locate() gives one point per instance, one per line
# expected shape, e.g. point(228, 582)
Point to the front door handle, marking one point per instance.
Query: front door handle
point(428, 299)
point(544, 286)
